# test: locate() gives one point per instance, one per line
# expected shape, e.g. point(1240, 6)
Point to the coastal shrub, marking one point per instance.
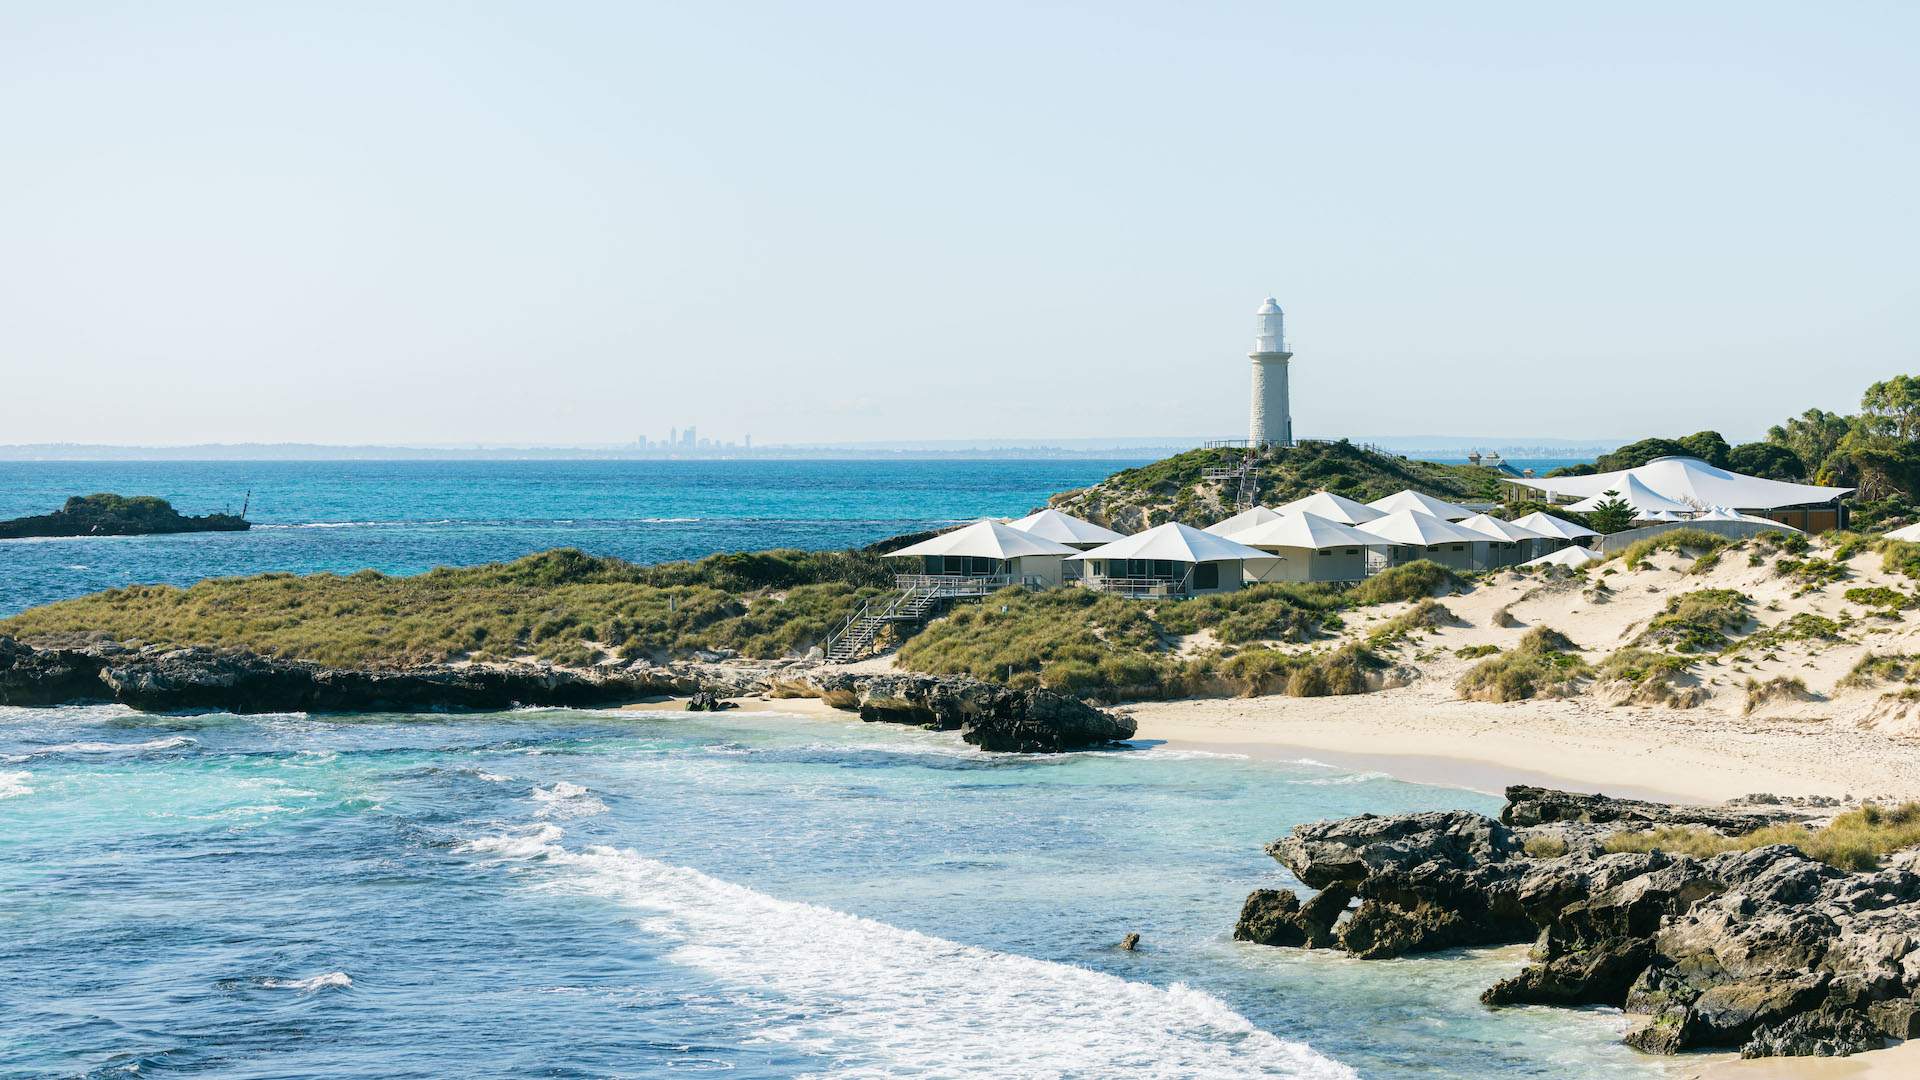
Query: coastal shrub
point(1053, 637)
point(1778, 688)
point(1645, 677)
point(1800, 626)
point(1279, 611)
point(1475, 652)
point(1544, 846)
point(1900, 557)
point(1346, 670)
point(1428, 614)
point(1880, 598)
point(1855, 840)
point(1882, 667)
point(1844, 544)
point(1415, 580)
point(1542, 665)
point(564, 606)
point(1692, 542)
point(1259, 671)
point(1698, 621)
point(1811, 572)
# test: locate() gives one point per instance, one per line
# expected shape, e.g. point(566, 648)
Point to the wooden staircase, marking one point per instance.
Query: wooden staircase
point(1243, 478)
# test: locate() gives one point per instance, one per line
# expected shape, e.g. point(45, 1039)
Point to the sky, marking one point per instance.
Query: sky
point(587, 222)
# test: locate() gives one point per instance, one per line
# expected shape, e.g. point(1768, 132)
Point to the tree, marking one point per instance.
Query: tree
point(1577, 469)
point(1771, 460)
point(1709, 446)
point(1634, 455)
point(1892, 407)
point(1612, 514)
point(1814, 437)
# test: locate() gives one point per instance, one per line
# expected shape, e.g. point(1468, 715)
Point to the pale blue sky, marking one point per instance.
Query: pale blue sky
point(579, 222)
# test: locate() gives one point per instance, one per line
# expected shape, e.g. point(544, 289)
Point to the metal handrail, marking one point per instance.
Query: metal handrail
point(954, 584)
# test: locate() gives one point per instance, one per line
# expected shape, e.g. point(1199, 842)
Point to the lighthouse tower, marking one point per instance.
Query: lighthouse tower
point(1272, 421)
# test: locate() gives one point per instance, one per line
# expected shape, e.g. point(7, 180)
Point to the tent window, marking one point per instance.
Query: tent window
point(1206, 576)
point(1353, 551)
point(1459, 547)
point(1162, 568)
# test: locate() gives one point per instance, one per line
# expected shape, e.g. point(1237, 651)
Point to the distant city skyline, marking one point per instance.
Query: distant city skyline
point(228, 222)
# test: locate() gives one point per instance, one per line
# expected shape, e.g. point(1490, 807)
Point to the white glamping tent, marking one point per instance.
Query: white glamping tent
point(1245, 519)
point(1065, 529)
point(1168, 560)
point(1645, 501)
point(1420, 504)
point(1548, 525)
point(987, 554)
point(1307, 547)
point(1414, 535)
point(1575, 556)
point(1333, 507)
point(1507, 543)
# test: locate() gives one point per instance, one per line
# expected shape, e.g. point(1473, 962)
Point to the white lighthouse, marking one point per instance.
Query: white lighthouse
point(1272, 420)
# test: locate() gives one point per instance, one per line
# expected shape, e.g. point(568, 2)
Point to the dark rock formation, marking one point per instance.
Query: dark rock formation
point(115, 515)
point(1130, 942)
point(989, 715)
point(1765, 949)
point(708, 701)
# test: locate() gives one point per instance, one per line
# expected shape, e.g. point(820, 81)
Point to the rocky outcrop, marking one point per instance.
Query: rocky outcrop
point(988, 715)
point(1764, 949)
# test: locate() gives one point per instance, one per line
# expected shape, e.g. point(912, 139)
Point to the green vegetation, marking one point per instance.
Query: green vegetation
point(1881, 600)
point(1778, 688)
point(1800, 626)
point(1900, 557)
point(1408, 581)
point(1428, 614)
point(117, 515)
point(1698, 621)
point(561, 605)
point(1175, 488)
point(1475, 652)
point(1646, 677)
point(1689, 542)
point(1270, 612)
point(1544, 846)
point(1613, 514)
point(1812, 572)
point(1879, 668)
point(1542, 665)
point(1852, 841)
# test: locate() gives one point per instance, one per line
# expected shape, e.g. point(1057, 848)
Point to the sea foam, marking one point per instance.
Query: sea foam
point(332, 980)
point(885, 1001)
point(14, 784)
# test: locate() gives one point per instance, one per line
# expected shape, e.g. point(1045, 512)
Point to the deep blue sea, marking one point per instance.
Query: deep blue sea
point(566, 893)
point(408, 516)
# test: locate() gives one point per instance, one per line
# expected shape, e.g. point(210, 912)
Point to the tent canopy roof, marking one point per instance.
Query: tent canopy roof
point(1176, 542)
point(1413, 527)
point(1692, 481)
point(1302, 530)
point(1333, 507)
point(1423, 504)
point(1637, 494)
point(1567, 556)
point(1051, 524)
point(1548, 525)
point(1909, 533)
point(1245, 519)
point(983, 540)
point(1492, 528)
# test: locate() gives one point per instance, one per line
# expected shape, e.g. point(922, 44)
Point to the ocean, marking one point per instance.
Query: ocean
point(570, 894)
point(404, 517)
point(575, 893)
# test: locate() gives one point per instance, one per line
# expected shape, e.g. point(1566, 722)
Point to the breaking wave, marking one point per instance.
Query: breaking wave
point(880, 1000)
point(332, 980)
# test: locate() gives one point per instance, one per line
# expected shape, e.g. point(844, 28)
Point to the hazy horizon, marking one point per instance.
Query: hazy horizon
point(484, 223)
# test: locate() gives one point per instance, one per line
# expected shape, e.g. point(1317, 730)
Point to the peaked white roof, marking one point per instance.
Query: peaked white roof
point(1062, 528)
point(1910, 533)
point(1422, 504)
point(1245, 519)
point(1567, 556)
point(1658, 515)
point(1548, 525)
point(1333, 507)
point(1299, 530)
point(1413, 527)
point(1638, 495)
point(1692, 481)
point(1493, 528)
point(984, 540)
point(1180, 543)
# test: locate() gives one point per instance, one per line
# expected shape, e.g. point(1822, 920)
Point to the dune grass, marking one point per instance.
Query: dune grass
point(1692, 542)
point(1542, 665)
point(1855, 840)
point(1698, 621)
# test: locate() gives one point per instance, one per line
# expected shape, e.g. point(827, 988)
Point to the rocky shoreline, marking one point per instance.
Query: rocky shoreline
point(1764, 950)
point(987, 715)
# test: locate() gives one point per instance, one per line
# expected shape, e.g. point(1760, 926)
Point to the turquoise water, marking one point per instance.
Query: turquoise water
point(563, 893)
point(407, 516)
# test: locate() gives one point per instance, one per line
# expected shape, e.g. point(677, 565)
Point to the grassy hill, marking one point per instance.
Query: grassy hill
point(1174, 489)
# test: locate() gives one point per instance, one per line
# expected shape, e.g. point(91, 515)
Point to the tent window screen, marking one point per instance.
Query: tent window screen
point(1206, 576)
